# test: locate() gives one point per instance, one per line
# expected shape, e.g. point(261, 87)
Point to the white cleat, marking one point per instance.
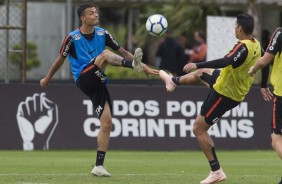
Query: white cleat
point(169, 84)
point(214, 177)
point(100, 171)
point(137, 58)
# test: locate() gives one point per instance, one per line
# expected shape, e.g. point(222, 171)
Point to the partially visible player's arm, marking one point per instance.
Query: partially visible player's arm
point(66, 47)
point(54, 68)
point(271, 51)
point(235, 57)
point(262, 62)
point(265, 92)
point(113, 44)
point(217, 63)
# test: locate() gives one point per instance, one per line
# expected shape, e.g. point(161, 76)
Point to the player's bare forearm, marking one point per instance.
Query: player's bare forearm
point(263, 61)
point(54, 68)
point(124, 53)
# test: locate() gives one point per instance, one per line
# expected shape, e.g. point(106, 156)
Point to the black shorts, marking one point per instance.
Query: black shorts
point(210, 79)
point(215, 106)
point(92, 83)
point(276, 123)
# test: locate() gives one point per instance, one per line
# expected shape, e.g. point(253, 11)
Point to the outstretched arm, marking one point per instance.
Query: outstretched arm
point(217, 63)
point(262, 62)
point(235, 57)
point(54, 68)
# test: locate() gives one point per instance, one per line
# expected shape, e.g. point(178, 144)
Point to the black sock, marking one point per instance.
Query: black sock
point(100, 158)
point(214, 163)
point(176, 80)
point(281, 181)
point(126, 63)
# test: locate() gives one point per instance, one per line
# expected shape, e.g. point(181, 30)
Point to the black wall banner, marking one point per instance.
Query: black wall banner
point(144, 118)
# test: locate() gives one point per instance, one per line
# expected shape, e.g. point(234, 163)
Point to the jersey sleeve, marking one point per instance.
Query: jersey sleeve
point(110, 41)
point(237, 56)
point(264, 76)
point(275, 42)
point(217, 63)
point(67, 46)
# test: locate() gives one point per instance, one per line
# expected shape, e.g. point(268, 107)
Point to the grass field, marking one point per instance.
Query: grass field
point(130, 167)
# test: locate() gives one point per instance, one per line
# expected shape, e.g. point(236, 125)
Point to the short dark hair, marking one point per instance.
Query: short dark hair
point(201, 34)
point(246, 21)
point(82, 7)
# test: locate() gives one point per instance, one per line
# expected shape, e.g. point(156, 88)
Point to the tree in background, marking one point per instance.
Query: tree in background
point(183, 19)
point(32, 60)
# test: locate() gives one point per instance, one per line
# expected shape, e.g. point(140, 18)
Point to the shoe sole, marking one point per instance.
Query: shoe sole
point(138, 55)
point(220, 180)
point(169, 87)
point(101, 175)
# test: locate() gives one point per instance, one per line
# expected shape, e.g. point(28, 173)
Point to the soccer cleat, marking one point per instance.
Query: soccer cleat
point(214, 177)
point(169, 84)
point(137, 58)
point(100, 171)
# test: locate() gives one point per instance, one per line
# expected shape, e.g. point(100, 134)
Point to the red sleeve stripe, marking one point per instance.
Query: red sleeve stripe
point(213, 107)
point(64, 44)
point(235, 49)
point(271, 38)
point(273, 113)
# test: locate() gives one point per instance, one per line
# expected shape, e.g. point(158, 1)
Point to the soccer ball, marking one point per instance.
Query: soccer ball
point(156, 25)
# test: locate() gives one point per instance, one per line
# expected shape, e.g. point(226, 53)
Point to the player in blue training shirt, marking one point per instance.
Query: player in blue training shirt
point(88, 57)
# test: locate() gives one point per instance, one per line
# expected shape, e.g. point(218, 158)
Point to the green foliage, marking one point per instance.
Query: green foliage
point(32, 60)
point(118, 32)
point(182, 18)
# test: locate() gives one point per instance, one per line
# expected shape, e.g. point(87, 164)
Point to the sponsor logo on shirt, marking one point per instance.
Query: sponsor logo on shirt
point(76, 37)
point(239, 54)
point(274, 40)
point(100, 32)
point(67, 47)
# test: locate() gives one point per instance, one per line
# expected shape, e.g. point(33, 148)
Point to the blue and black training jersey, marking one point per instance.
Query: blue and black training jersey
point(82, 48)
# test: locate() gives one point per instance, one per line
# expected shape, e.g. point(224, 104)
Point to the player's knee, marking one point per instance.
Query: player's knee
point(104, 54)
point(106, 125)
point(197, 129)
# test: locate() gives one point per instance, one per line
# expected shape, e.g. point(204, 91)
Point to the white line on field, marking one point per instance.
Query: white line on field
point(129, 174)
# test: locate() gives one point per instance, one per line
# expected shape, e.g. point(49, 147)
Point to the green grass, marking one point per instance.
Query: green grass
point(128, 167)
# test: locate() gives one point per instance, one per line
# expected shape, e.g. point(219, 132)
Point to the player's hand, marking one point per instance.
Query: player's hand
point(266, 94)
point(188, 67)
point(251, 71)
point(147, 70)
point(44, 82)
point(37, 119)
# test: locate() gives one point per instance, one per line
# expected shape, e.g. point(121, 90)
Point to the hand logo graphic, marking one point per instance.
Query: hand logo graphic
point(37, 119)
